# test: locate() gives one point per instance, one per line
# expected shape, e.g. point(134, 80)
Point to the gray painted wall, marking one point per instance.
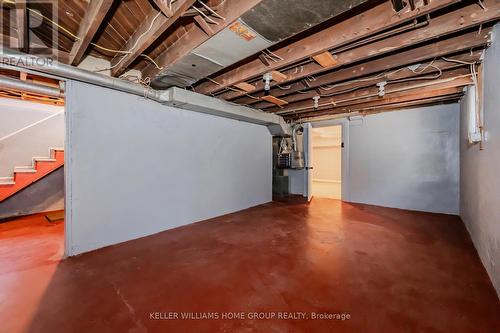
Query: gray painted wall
point(135, 167)
point(407, 159)
point(45, 195)
point(480, 181)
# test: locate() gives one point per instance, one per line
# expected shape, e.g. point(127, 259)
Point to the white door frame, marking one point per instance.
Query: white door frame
point(344, 122)
point(307, 147)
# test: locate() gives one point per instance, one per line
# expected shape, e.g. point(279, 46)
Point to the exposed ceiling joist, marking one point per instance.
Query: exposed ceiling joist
point(467, 17)
point(94, 16)
point(21, 22)
point(428, 69)
point(164, 8)
point(204, 25)
point(445, 47)
point(423, 96)
point(382, 108)
point(374, 20)
point(446, 99)
point(230, 10)
point(149, 30)
point(453, 78)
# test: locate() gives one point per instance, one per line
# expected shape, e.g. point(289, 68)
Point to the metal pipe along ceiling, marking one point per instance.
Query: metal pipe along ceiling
point(14, 84)
point(47, 66)
point(174, 96)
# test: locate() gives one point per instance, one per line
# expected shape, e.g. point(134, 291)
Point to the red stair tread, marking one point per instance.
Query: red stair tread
point(23, 180)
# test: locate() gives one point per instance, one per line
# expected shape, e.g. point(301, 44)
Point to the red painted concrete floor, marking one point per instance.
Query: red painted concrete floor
point(389, 270)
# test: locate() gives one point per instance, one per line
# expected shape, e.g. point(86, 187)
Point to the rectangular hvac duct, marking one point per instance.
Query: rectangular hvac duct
point(269, 22)
point(227, 47)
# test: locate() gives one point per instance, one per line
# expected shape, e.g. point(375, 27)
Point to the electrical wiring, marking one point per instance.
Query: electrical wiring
point(231, 89)
point(152, 61)
point(134, 46)
point(425, 68)
point(252, 97)
point(94, 44)
point(205, 16)
point(168, 3)
point(274, 55)
point(381, 75)
point(420, 78)
point(457, 61)
point(269, 57)
point(211, 10)
point(476, 86)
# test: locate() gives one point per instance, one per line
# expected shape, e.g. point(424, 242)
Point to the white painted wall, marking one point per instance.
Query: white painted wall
point(479, 178)
point(34, 140)
point(407, 159)
point(135, 167)
point(16, 114)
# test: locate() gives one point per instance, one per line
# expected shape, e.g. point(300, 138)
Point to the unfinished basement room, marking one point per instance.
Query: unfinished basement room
point(250, 166)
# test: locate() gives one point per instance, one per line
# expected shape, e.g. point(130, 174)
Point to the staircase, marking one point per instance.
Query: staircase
point(26, 175)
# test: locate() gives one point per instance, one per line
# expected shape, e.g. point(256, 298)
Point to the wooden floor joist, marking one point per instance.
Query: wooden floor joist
point(454, 98)
point(374, 20)
point(147, 33)
point(428, 52)
point(430, 68)
point(451, 79)
point(230, 10)
point(340, 58)
point(445, 24)
point(399, 97)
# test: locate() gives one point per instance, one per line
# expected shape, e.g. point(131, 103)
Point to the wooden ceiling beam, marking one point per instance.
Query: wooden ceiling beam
point(60, 55)
point(467, 17)
point(388, 101)
point(374, 20)
point(429, 52)
point(147, 33)
point(204, 25)
point(230, 10)
point(95, 13)
point(465, 42)
point(446, 99)
point(452, 79)
point(430, 68)
point(168, 12)
point(22, 28)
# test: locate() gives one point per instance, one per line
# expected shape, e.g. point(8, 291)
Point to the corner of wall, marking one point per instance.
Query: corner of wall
point(479, 181)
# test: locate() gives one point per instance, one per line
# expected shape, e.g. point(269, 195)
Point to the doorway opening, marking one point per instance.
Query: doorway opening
point(326, 161)
point(32, 178)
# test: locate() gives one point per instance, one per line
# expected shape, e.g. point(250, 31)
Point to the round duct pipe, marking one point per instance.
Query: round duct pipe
point(14, 84)
point(52, 67)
